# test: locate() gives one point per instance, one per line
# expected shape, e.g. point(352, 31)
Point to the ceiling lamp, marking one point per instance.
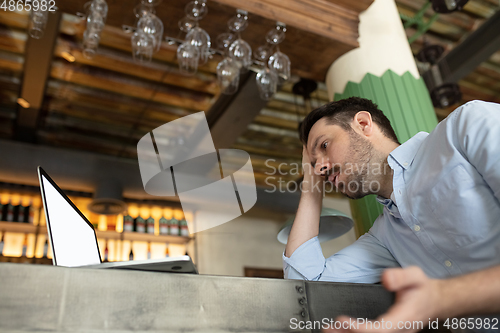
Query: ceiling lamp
point(447, 6)
point(332, 224)
point(442, 94)
point(108, 198)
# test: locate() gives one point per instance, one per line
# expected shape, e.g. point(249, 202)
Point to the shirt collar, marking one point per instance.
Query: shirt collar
point(405, 153)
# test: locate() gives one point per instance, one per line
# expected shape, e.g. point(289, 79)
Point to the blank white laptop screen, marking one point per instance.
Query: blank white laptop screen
point(72, 237)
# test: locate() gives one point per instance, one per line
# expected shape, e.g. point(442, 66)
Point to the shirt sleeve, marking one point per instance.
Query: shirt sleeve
point(477, 136)
point(361, 262)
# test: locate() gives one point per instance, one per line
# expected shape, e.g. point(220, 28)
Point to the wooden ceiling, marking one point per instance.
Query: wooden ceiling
point(106, 104)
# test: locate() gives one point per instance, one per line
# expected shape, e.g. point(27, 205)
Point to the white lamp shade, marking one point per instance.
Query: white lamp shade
point(332, 224)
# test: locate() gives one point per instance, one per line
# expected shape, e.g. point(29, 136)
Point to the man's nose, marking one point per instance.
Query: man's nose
point(322, 167)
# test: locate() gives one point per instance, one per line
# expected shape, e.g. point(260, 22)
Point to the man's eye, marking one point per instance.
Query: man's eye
point(324, 145)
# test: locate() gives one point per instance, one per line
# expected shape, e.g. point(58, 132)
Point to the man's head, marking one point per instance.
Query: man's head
point(342, 113)
point(348, 142)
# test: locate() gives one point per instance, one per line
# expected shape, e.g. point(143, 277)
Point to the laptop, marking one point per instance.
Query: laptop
point(74, 241)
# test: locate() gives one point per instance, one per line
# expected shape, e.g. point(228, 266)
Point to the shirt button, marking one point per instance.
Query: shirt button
point(447, 263)
point(399, 191)
point(405, 164)
point(416, 228)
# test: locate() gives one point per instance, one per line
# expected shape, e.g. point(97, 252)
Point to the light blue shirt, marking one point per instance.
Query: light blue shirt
point(443, 216)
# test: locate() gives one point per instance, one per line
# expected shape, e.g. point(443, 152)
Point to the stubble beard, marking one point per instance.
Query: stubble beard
point(364, 155)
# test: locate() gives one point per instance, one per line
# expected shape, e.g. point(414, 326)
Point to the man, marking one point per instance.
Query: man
point(440, 193)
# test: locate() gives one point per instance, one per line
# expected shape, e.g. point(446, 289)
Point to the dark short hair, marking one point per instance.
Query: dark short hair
point(342, 113)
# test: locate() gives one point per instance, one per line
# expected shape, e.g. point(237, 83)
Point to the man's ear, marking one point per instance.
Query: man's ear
point(362, 123)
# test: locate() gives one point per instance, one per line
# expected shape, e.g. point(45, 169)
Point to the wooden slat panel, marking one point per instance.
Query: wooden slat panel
point(113, 102)
point(135, 88)
point(280, 11)
point(12, 40)
point(123, 62)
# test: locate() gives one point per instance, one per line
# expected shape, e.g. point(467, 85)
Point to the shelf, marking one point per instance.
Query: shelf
point(28, 228)
point(137, 236)
point(109, 234)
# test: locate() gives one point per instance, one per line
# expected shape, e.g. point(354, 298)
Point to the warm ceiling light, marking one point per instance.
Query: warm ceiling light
point(24, 103)
point(68, 56)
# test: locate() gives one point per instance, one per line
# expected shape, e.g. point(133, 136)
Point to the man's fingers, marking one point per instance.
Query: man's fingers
point(395, 279)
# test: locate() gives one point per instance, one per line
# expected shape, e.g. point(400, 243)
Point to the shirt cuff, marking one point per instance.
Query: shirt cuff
point(307, 260)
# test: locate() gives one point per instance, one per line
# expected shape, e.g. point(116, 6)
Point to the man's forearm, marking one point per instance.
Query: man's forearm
point(306, 223)
point(470, 294)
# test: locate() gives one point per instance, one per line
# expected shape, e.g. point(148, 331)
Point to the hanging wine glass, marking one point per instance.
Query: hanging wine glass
point(262, 54)
point(241, 52)
point(277, 35)
point(280, 64)
point(228, 76)
point(267, 82)
point(143, 9)
point(99, 6)
point(187, 57)
point(239, 22)
point(200, 39)
point(196, 10)
point(38, 21)
point(90, 43)
point(151, 2)
point(224, 41)
point(95, 21)
point(186, 24)
point(143, 45)
point(150, 24)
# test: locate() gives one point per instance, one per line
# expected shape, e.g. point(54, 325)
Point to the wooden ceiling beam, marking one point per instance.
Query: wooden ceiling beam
point(113, 102)
point(131, 87)
point(123, 63)
point(12, 40)
point(319, 17)
point(100, 117)
point(37, 64)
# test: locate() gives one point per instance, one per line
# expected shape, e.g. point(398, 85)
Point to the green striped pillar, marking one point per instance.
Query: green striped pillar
point(406, 102)
point(383, 70)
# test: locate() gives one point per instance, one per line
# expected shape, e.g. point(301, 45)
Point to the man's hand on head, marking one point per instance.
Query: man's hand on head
point(312, 182)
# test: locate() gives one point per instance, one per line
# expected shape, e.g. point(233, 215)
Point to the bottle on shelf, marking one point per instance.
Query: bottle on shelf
point(173, 227)
point(128, 223)
point(19, 213)
point(31, 212)
point(15, 202)
point(1, 243)
point(163, 226)
point(25, 246)
point(9, 212)
point(46, 249)
point(150, 225)
point(111, 222)
point(106, 253)
point(139, 224)
point(131, 254)
point(184, 231)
